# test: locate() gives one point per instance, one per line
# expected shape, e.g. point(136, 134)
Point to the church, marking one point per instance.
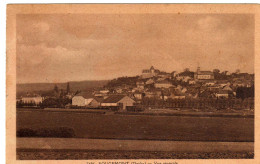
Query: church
point(148, 73)
point(203, 75)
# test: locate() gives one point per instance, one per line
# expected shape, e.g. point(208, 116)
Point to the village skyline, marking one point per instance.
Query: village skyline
point(140, 74)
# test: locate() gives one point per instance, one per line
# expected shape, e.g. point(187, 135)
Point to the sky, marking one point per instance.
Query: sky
point(76, 47)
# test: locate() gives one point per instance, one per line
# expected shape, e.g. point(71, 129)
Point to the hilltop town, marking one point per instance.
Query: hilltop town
point(154, 88)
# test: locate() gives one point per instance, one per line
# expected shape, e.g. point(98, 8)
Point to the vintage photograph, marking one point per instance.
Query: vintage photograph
point(135, 86)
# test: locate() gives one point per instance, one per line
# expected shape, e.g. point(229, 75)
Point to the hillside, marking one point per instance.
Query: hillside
point(74, 86)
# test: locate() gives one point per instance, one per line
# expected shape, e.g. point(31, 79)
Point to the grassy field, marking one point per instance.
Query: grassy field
point(179, 128)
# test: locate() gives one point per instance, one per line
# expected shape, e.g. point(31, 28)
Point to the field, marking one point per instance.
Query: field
point(79, 155)
point(143, 127)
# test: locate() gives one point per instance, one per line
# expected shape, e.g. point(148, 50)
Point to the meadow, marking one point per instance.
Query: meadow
point(142, 127)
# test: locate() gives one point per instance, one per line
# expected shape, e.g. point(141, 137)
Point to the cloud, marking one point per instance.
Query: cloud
point(85, 46)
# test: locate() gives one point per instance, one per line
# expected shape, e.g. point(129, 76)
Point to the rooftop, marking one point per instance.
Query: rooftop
point(86, 95)
point(113, 98)
point(205, 73)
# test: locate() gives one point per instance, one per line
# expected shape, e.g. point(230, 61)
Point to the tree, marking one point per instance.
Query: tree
point(216, 70)
point(225, 72)
point(186, 70)
point(237, 71)
point(68, 87)
point(56, 89)
point(245, 92)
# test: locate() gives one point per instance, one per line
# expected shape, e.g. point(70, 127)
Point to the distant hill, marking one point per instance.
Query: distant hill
point(74, 86)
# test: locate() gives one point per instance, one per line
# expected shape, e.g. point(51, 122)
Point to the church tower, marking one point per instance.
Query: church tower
point(198, 69)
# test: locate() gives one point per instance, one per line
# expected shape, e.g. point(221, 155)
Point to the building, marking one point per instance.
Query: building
point(85, 99)
point(223, 94)
point(227, 88)
point(164, 74)
point(165, 95)
point(119, 101)
point(149, 81)
point(203, 75)
point(177, 95)
point(32, 99)
point(163, 84)
point(150, 94)
point(206, 94)
point(210, 83)
point(140, 84)
point(105, 91)
point(148, 73)
point(192, 82)
point(138, 95)
point(185, 76)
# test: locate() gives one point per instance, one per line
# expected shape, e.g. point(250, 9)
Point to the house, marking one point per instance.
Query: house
point(177, 95)
point(138, 95)
point(207, 94)
point(163, 84)
point(164, 75)
point(244, 83)
point(227, 88)
point(223, 83)
point(191, 82)
point(203, 75)
point(222, 94)
point(150, 81)
point(105, 91)
point(120, 101)
point(186, 75)
point(213, 88)
point(165, 95)
point(179, 87)
point(150, 94)
point(140, 84)
point(148, 73)
point(192, 92)
point(119, 90)
point(186, 79)
point(183, 90)
point(210, 83)
point(31, 99)
point(161, 78)
point(85, 99)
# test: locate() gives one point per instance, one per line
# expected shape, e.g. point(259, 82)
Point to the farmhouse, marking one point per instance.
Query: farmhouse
point(85, 99)
point(120, 101)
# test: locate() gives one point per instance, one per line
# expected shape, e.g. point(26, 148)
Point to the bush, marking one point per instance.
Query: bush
point(60, 132)
point(26, 132)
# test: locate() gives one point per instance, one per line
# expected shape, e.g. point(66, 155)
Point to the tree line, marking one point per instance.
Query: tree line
point(205, 103)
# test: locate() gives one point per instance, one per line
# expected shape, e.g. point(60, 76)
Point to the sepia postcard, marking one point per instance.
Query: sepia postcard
point(132, 83)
